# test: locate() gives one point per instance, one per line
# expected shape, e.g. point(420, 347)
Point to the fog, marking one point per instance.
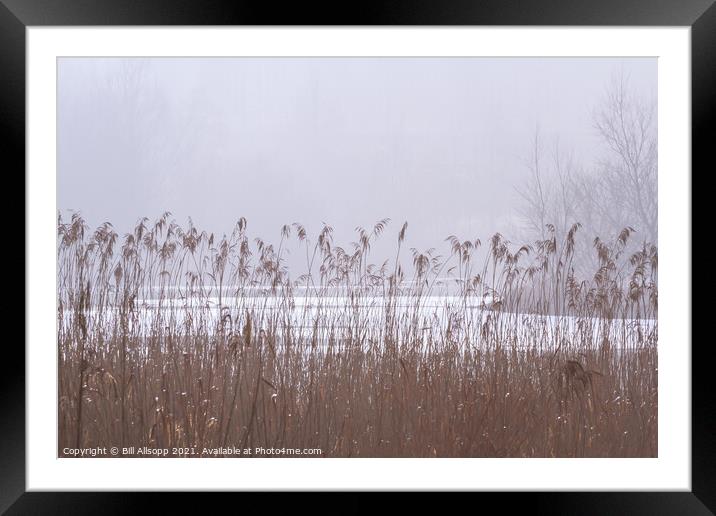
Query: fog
point(442, 143)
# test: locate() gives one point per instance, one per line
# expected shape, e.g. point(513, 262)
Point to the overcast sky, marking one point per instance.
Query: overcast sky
point(439, 142)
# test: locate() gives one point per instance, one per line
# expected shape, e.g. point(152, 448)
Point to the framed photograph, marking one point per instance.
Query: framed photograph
point(436, 250)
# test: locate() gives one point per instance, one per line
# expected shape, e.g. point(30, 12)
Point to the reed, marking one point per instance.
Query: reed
point(172, 337)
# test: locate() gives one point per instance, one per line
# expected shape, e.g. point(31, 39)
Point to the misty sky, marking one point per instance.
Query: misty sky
point(439, 142)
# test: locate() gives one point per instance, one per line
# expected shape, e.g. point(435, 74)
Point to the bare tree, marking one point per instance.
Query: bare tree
point(619, 191)
point(626, 189)
point(552, 191)
point(534, 209)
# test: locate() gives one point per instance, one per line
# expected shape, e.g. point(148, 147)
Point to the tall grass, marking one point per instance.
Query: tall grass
point(171, 337)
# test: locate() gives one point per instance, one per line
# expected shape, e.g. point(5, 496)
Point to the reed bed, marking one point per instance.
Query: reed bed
point(170, 337)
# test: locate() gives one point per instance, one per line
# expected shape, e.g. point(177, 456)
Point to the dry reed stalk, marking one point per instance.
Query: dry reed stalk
point(375, 367)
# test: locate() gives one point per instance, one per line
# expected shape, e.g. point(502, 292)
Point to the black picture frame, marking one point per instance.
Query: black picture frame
point(16, 15)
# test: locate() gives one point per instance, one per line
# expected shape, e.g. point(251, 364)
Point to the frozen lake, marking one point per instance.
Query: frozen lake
point(339, 316)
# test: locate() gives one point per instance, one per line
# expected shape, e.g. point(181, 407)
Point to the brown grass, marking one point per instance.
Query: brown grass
point(553, 366)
